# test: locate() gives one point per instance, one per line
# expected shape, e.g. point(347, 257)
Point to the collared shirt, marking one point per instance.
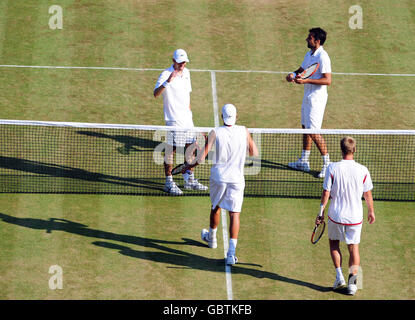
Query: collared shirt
point(320, 56)
point(346, 180)
point(176, 97)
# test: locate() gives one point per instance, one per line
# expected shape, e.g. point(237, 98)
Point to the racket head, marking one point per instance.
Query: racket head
point(178, 169)
point(307, 73)
point(318, 232)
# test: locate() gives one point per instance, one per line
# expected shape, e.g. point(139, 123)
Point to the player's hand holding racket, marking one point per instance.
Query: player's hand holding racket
point(181, 168)
point(307, 73)
point(319, 227)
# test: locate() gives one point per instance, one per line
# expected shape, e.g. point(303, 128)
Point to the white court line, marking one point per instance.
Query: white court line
point(214, 98)
point(202, 70)
point(223, 212)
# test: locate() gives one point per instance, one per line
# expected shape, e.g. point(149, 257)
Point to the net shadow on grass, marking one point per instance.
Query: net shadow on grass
point(166, 255)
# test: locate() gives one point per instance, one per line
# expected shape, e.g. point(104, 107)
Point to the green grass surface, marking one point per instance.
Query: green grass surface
point(111, 248)
point(141, 247)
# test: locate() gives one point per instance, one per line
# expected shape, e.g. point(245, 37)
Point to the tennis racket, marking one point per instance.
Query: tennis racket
point(307, 73)
point(180, 168)
point(318, 232)
point(185, 166)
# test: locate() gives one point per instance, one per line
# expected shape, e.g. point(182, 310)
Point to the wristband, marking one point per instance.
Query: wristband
point(321, 210)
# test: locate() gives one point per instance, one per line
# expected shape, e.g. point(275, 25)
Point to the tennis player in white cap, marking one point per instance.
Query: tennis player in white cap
point(227, 181)
point(175, 86)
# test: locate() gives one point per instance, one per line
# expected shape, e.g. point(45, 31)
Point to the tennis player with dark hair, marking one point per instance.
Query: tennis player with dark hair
point(345, 182)
point(175, 86)
point(314, 100)
point(227, 181)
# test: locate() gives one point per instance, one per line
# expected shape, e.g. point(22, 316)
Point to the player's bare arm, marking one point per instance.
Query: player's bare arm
point(158, 91)
point(324, 80)
point(324, 200)
point(369, 202)
point(252, 148)
point(208, 146)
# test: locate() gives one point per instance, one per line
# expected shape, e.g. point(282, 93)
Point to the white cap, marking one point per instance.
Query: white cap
point(229, 114)
point(180, 56)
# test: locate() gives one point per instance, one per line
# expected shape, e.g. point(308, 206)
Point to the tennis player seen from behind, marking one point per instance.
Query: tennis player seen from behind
point(314, 99)
point(227, 181)
point(345, 182)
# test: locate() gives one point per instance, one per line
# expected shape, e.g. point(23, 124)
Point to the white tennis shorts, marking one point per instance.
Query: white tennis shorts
point(179, 138)
point(228, 196)
point(312, 110)
point(350, 234)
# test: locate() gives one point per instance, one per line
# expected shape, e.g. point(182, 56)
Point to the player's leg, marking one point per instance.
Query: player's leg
point(353, 240)
point(354, 260)
point(209, 236)
point(336, 257)
point(335, 253)
point(234, 224)
point(168, 159)
point(190, 182)
point(170, 186)
point(320, 143)
point(233, 203)
point(233, 237)
point(335, 234)
point(354, 263)
point(302, 163)
point(217, 191)
point(318, 106)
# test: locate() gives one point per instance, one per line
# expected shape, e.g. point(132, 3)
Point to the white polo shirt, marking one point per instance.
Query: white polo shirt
point(230, 153)
point(176, 98)
point(346, 180)
point(320, 56)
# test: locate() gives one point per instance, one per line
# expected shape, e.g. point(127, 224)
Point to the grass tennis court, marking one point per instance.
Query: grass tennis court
point(147, 247)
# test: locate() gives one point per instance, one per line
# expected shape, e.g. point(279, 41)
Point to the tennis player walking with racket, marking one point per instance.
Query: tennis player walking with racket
point(175, 86)
point(227, 181)
point(345, 182)
point(315, 98)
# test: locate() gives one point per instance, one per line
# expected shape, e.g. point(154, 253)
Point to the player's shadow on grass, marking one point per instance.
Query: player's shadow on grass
point(61, 171)
point(130, 144)
point(165, 254)
point(263, 163)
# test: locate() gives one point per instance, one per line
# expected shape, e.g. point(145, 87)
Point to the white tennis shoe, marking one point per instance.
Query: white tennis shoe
point(300, 165)
point(339, 284)
point(231, 259)
point(322, 173)
point(193, 184)
point(352, 285)
point(172, 188)
point(212, 243)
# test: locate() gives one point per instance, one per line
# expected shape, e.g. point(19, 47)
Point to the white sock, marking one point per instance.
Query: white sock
point(305, 155)
point(232, 245)
point(326, 159)
point(339, 273)
point(212, 233)
point(186, 176)
point(191, 176)
point(169, 179)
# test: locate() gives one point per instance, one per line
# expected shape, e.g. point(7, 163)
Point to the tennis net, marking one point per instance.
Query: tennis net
point(60, 157)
